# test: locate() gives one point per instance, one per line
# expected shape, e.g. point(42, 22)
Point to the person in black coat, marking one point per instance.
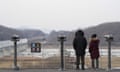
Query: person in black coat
point(79, 45)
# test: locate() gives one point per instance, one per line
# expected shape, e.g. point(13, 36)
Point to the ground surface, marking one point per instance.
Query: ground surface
point(57, 70)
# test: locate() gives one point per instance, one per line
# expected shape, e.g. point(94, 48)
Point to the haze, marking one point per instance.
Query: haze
point(49, 15)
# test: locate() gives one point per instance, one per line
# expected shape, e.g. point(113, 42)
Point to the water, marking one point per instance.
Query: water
point(6, 49)
point(45, 53)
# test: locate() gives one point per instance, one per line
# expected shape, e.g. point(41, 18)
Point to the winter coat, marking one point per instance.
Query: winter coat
point(79, 45)
point(94, 48)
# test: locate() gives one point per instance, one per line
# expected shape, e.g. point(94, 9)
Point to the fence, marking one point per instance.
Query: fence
point(49, 57)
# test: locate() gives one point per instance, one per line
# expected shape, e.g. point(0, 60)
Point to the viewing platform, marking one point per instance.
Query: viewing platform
point(57, 70)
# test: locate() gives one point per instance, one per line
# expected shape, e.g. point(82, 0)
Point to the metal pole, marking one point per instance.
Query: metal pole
point(109, 55)
point(62, 55)
point(15, 56)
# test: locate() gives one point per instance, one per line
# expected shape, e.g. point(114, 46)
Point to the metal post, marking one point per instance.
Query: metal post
point(109, 55)
point(15, 54)
point(62, 55)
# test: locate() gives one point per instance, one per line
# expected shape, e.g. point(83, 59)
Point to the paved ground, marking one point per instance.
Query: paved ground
point(57, 70)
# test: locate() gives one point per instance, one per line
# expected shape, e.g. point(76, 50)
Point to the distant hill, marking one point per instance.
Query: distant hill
point(52, 38)
point(34, 35)
point(30, 33)
point(6, 33)
point(105, 28)
point(102, 29)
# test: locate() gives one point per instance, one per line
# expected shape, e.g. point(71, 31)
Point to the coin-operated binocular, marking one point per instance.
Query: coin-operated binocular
point(62, 38)
point(109, 39)
point(15, 38)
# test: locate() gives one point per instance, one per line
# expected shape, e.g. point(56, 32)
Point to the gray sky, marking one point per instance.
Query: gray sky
point(58, 14)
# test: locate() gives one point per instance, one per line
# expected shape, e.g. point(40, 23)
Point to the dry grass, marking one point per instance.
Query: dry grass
point(52, 62)
point(103, 62)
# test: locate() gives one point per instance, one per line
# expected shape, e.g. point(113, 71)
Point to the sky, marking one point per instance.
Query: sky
point(48, 15)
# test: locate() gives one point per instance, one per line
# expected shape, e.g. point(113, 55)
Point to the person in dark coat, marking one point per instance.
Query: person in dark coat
point(94, 51)
point(79, 45)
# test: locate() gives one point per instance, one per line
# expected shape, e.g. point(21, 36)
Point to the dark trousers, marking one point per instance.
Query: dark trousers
point(95, 63)
point(78, 60)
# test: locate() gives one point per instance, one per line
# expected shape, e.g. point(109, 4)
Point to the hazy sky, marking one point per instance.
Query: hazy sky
point(58, 14)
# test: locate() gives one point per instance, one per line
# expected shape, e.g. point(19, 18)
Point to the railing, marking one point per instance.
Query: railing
point(49, 57)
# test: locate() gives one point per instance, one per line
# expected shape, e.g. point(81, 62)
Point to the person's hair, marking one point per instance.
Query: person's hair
point(94, 36)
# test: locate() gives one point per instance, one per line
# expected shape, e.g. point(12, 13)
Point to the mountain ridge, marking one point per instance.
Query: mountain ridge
point(52, 38)
point(6, 33)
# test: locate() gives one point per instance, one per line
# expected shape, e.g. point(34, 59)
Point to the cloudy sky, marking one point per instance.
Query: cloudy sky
point(58, 14)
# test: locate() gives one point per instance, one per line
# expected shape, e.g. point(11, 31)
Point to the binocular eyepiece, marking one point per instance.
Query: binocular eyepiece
point(108, 37)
